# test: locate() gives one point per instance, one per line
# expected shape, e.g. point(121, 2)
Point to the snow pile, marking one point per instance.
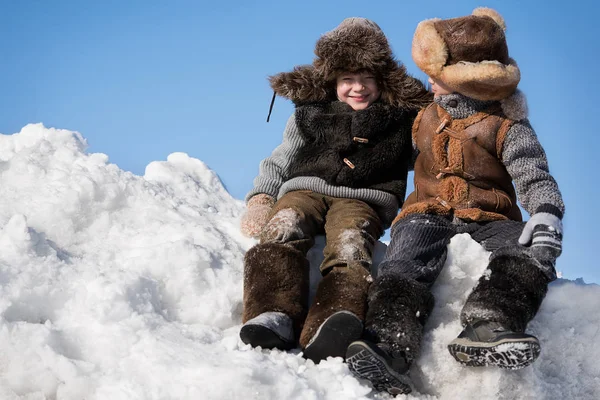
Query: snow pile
point(116, 286)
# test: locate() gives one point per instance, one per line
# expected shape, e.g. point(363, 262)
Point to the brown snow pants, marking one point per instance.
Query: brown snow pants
point(276, 269)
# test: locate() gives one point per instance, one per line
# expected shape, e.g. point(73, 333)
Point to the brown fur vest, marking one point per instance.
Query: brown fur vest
point(368, 148)
point(458, 170)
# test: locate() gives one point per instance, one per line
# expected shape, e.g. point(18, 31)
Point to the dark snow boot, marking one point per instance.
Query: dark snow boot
point(484, 343)
point(334, 336)
point(367, 361)
point(269, 330)
point(335, 317)
point(275, 295)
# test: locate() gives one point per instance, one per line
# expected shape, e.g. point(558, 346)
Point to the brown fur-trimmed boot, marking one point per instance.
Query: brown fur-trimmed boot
point(336, 316)
point(275, 296)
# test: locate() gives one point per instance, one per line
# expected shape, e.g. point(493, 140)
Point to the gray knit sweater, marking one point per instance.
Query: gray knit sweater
point(274, 172)
point(522, 155)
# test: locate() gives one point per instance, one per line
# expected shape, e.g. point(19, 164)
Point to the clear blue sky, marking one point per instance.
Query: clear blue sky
point(143, 79)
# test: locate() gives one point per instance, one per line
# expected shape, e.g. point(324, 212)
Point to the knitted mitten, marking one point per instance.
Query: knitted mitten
point(257, 213)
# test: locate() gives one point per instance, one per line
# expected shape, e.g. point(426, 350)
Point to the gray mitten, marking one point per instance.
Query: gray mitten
point(543, 233)
point(257, 213)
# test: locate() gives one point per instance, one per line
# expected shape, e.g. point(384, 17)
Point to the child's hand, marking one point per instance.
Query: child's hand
point(257, 214)
point(543, 232)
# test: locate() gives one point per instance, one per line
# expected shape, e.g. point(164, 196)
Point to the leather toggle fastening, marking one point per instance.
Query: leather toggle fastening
point(360, 140)
point(443, 203)
point(349, 163)
point(454, 172)
point(440, 128)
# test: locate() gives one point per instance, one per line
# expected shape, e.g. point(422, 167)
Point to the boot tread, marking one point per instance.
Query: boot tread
point(334, 336)
point(510, 351)
point(365, 362)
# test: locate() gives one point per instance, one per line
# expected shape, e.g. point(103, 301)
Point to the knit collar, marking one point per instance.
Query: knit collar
point(460, 106)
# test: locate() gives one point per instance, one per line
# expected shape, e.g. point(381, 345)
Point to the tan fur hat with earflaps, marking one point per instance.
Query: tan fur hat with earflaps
point(356, 44)
point(468, 54)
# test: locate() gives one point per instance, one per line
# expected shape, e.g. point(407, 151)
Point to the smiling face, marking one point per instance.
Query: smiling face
point(438, 88)
point(358, 89)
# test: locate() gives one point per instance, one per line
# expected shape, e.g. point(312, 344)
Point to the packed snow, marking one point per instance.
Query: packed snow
point(117, 286)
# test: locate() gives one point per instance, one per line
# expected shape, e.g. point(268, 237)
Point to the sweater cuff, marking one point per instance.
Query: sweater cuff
point(550, 209)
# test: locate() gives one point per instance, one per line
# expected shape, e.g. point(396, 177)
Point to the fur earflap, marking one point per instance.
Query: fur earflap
point(429, 51)
point(302, 85)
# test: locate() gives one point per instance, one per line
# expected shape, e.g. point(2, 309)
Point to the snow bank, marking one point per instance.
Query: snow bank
point(120, 286)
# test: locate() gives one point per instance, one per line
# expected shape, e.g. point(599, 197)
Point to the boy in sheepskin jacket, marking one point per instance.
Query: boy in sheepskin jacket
point(473, 142)
point(341, 170)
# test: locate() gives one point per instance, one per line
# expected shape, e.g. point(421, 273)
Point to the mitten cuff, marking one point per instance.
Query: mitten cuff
point(550, 209)
point(261, 199)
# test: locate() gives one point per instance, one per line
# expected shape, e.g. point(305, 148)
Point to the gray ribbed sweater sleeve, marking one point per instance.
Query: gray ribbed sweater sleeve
point(526, 162)
point(273, 170)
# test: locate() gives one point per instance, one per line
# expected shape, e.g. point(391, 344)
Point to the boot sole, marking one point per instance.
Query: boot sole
point(334, 336)
point(365, 363)
point(259, 335)
point(509, 354)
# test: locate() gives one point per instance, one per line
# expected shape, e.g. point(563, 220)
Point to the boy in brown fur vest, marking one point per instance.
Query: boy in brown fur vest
point(341, 170)
point(473, 143)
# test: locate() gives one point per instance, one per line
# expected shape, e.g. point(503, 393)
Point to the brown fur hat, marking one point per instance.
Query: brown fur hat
point(468, 54)
point(356, 44)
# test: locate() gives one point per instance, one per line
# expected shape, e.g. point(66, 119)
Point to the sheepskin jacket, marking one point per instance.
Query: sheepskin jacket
point(458, 168)
point(475, 158)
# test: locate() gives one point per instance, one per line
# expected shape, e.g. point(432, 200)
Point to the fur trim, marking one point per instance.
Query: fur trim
point(455, 156)
point(515, 106)
point(438, 49)
point(403, 91)
point(454, 190)
point(438, 148)
point(424, 207)
point(398, 309)
point(356, 44)
point(328, 129)
point(305, 85)
point(511, 293)
point(493, 14)
point(501, 136)
point(429, 51)
point(485, 80)
point(275, 279)
point(302, 85)
point(478, 215)
point(342, 289)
